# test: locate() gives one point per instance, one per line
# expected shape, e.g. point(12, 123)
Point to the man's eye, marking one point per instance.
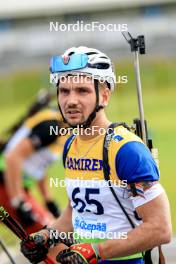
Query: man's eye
point(83, 90)
point(64, 91)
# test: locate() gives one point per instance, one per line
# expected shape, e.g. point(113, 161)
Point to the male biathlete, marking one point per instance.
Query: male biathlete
point(25, 161)
point(114, 222)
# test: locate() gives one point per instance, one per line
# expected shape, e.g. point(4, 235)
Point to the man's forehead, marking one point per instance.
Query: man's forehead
point(76, 80)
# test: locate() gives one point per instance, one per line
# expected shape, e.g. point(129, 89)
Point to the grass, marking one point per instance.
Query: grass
point(159, 93)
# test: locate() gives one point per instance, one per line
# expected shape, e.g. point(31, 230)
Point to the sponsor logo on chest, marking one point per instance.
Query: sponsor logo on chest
point(84, 164)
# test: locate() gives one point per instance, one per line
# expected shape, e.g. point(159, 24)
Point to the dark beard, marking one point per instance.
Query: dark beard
point(76, 125)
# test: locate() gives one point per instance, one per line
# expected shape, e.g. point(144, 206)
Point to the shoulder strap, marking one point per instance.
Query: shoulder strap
point(106, 167)
point(67, 146)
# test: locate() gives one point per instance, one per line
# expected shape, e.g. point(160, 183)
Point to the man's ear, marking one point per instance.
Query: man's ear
point(104, 96)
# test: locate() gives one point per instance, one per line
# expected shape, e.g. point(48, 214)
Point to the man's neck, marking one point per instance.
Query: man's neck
point(97, 128)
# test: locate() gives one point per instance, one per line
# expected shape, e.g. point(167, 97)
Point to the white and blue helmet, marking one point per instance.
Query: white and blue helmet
point(86, 61)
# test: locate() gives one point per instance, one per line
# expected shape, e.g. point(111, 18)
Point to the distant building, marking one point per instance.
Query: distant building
point(31, 33)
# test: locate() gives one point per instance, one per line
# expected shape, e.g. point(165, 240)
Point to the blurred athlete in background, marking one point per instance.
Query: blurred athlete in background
point(25, 158)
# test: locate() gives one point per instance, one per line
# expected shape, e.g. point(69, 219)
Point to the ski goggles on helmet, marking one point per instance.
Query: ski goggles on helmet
point(68, 63)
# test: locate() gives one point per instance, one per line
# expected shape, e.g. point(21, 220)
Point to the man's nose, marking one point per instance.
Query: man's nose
point(73, 98)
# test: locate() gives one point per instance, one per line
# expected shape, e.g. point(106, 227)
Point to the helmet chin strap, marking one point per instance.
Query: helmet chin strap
point(92, 116)
point(97, 108)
